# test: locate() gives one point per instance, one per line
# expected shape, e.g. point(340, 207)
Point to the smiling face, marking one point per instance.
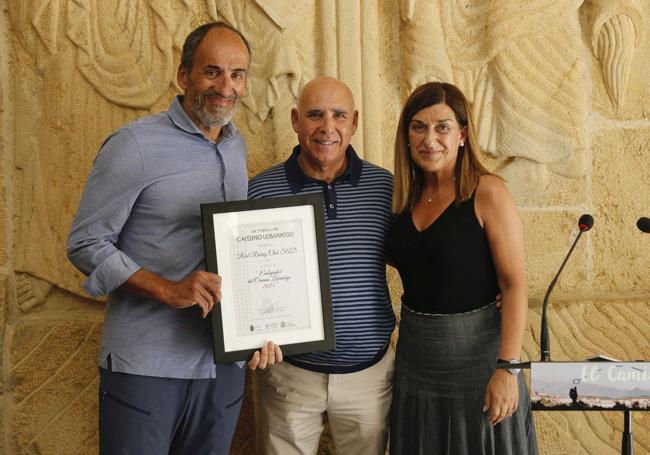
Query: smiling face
point(434, 136)
point(216, 81)
point(324, 121)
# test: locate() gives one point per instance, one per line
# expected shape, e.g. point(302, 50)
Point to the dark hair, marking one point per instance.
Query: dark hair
point(409, 179)
point(196, 36)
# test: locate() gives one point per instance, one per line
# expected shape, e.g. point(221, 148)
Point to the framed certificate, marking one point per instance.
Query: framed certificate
point(272, 258)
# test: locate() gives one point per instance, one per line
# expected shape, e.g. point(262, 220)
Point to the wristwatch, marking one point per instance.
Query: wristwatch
point(512, 371)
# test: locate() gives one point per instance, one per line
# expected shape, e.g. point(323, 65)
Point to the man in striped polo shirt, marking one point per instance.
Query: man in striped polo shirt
point(352, 384)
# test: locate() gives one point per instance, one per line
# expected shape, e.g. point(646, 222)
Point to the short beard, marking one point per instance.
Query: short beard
point(216, 119)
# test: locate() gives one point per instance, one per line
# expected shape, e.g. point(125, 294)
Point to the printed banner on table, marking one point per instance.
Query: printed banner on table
point(584, 386)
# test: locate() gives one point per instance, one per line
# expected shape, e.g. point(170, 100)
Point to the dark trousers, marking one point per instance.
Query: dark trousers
point(141, 415)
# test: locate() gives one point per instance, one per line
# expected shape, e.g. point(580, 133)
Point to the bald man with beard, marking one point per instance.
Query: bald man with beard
point(351, 385)
point(137, 236)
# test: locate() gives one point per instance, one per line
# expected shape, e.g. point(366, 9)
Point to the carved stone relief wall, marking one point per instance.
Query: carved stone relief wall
point(560, 94)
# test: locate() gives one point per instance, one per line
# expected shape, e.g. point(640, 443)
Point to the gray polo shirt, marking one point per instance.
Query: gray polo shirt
point(140, 209)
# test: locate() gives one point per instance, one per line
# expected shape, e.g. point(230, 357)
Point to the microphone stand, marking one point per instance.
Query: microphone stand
point(544, 339)
point(627, 443)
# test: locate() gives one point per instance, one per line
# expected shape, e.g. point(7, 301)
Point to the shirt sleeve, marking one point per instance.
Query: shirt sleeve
point(114, 184)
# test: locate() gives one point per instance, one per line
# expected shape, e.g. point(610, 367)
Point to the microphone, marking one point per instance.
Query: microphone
point(585, 223)
point(643, 224)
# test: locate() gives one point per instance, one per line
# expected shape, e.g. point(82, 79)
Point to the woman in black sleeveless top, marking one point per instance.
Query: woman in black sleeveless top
point(457, 242)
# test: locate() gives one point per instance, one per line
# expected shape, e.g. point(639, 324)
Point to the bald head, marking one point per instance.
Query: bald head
point(321, 86)
point(194, 39)
point(324, 121)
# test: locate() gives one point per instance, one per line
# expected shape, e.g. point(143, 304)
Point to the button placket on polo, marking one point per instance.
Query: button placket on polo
point(329, 191)
point(222, 165)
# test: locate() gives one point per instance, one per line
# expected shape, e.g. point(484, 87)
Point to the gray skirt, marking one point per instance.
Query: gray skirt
point(442, 368)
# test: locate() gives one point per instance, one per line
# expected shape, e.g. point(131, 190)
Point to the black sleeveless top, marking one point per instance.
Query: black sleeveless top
point(447, 267)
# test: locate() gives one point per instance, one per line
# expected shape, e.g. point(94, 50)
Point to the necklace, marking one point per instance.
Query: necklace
point(431, 195)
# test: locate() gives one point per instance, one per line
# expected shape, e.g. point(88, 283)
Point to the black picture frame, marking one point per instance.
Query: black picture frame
point(229, 347)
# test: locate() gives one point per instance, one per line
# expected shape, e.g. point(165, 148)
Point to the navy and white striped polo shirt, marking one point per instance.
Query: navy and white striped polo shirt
point(357, 214)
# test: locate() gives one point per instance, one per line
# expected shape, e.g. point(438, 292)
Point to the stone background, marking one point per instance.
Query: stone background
point(561, 93)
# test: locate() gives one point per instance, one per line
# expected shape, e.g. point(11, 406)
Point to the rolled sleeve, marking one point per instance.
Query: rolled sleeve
point(115, 181)
point(110, 274)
